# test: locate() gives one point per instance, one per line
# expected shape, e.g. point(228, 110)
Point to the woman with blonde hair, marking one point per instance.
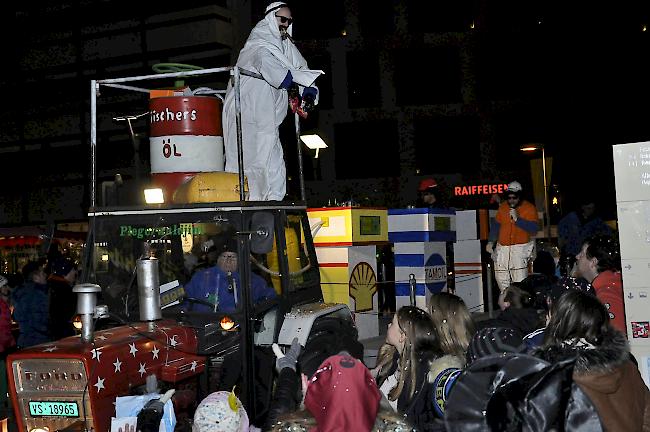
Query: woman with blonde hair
point(453, 323)
point(453, 328)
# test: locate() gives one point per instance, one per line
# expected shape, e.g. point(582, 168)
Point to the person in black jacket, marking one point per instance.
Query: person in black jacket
point(518, 312)
point(63, 302)
point(31, 307)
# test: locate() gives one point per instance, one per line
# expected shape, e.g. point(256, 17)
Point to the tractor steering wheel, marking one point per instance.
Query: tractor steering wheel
point(192, 301)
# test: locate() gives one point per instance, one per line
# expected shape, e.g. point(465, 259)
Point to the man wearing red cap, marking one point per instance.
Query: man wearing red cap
point(428, 194)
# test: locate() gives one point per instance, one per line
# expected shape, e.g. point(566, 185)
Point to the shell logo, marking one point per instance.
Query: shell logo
point(363, 286)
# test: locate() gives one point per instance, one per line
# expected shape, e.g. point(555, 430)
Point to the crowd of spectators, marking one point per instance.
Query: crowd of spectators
point(552, 359)
point(37, 305)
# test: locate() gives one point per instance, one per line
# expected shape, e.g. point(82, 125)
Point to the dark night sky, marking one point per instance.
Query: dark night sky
point(577, 73)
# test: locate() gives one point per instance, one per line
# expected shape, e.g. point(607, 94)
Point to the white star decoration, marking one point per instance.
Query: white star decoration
point(133, 349)
point(50, 349)
point(118, 365)
point(142, 369)
point(173, 342)
point(96, 353)
point(155, 352)
point(99, 384)
point(193, 368)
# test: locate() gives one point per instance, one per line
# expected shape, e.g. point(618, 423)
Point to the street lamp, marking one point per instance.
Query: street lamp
point(313, 142)
point(531, 148)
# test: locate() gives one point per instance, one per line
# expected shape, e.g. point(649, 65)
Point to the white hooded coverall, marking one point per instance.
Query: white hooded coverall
point(263, 107)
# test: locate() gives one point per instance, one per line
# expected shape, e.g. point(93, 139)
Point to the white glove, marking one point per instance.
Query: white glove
point(513, 214)
point(489, 248)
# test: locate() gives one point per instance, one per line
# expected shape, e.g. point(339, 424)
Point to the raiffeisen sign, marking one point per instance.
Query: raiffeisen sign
point(483, 189)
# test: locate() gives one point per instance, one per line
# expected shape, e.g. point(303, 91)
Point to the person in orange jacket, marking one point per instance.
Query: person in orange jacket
point(515, 224)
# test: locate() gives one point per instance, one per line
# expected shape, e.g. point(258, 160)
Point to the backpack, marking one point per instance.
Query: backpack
point(519, 392)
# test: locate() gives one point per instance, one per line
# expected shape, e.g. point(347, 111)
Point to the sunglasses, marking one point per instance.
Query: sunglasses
point(284, 19)
point(512, 198)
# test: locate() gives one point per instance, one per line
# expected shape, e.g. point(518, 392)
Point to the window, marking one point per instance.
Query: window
point(303, 272)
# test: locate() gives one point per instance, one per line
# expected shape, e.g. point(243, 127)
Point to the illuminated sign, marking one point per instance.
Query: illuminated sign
point(174, 230)
point(483, 189)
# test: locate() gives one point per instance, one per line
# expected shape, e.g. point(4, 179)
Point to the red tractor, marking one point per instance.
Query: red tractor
point(146, 311)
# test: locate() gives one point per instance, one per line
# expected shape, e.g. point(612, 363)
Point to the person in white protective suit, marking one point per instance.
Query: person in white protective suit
point(270, 52)
point(514, 225)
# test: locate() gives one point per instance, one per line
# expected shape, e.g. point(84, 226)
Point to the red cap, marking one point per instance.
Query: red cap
point(426, 184)
point(342, 396)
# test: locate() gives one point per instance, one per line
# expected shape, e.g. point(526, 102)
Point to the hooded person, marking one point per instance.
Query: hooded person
point(270, 52)
point(342, 395)
point(512, 231)
point(221, 411)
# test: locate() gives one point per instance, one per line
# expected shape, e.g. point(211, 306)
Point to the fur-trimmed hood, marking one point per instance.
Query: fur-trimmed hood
point(612, 353)
point(611, 380)
point(441, 364)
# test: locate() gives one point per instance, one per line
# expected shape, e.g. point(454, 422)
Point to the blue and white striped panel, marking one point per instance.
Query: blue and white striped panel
point(417, 225)
point(404, 289)
point(409, 259)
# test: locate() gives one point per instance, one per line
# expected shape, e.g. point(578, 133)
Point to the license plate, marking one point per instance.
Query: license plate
point(53, 409)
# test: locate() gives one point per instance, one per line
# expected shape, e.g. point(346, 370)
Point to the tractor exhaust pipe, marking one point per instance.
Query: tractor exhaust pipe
point(148, 289)
point(86, 303)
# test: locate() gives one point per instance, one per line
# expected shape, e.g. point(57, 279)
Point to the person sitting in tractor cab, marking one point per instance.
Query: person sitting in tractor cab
point(217, 287)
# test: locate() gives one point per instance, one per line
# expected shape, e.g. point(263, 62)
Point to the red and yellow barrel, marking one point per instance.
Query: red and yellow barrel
point(186, 138)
